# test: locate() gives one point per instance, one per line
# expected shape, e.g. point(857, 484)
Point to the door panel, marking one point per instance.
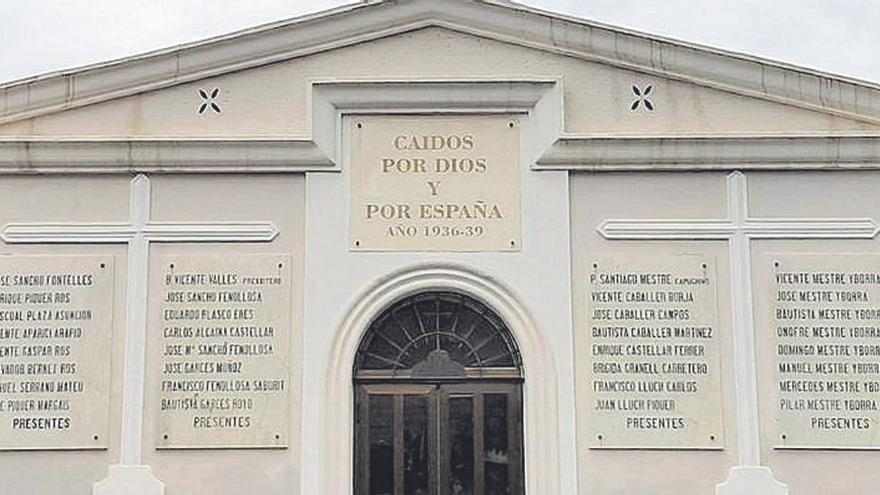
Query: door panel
point(443, 439)
point(381, 444)
point(417, 443)
point(496, 441)
point(496, 445)
point(459, 414)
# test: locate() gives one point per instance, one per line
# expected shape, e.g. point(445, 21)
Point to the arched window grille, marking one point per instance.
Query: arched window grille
point(437, 335)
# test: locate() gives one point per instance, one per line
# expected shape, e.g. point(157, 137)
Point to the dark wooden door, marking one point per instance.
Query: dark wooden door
point(439, 439)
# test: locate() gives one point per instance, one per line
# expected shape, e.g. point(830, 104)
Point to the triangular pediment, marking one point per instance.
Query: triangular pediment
point(634, 62)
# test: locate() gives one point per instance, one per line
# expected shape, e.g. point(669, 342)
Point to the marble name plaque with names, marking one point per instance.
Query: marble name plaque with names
point(826, 328)
point(224, 327)
point(653, 351)
point(56, 327)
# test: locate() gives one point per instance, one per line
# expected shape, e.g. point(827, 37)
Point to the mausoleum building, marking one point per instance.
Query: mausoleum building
point(439, 247)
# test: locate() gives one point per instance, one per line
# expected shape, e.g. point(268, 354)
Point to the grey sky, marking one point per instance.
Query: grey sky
point(839, 36)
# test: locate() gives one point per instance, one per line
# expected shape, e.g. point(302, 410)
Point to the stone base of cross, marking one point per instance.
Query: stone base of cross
point(752, 480)
point(138, 233)
point(129, 480)
point(739, 229)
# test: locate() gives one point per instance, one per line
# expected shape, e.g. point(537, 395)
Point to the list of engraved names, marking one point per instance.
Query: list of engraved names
point(55, 333)
point(653, 353)
point(224, 325)
point(826, 314)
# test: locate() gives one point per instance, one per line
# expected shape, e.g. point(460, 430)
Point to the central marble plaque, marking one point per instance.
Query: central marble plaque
point(826, 315)
point(56, 323)
point(435, 183)
point(225, 325)
point(653, 351)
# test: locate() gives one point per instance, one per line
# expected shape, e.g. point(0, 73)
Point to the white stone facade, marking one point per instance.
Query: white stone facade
point(270, 173)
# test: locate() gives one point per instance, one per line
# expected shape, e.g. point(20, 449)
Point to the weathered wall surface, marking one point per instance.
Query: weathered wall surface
point(810, 195)
point(594, 199)
point(279, 199)
point(276, 198)
point(67, 199)
point(702, 196)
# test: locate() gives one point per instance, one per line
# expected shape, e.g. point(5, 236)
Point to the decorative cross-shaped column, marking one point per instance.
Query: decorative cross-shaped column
point(738, 229)
point(138, 233)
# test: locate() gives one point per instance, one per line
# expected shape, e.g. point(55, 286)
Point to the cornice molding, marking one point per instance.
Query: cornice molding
point(493, 19)
point(584, 154)
point(596, 153)
point(96, 156)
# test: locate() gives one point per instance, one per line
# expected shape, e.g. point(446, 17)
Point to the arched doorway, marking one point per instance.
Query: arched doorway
point(438, 402)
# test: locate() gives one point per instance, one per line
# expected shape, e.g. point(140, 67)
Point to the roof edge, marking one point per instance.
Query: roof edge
point(679, 42)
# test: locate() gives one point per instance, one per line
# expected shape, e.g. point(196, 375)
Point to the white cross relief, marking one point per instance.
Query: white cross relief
point(138, 233)
point(739, 229)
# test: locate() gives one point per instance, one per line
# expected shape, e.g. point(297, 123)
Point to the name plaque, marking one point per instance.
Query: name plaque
point(826, 323)
point(654, 373)
point(225, 325)
point(56, 323)
point(435, 183)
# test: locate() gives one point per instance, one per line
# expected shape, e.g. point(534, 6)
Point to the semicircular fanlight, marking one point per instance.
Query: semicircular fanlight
point(437, 335)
